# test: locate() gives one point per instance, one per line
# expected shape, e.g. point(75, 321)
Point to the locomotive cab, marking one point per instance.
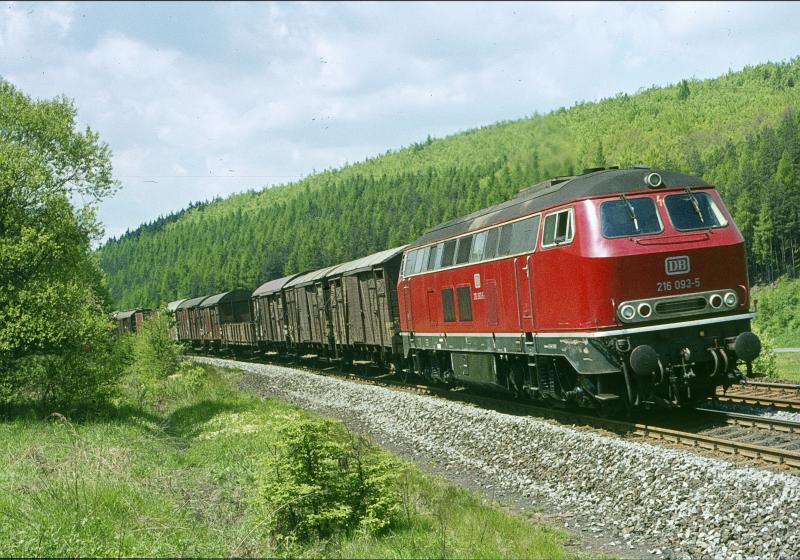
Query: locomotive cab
point(663, 271)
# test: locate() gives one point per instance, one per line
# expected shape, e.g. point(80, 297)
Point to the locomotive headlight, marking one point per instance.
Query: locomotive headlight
point(715, 301)
point(645, 310)
point(730, 299)
point(653, 180)
point(627, 312)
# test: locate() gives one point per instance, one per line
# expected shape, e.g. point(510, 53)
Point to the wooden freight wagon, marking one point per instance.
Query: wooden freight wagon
point(221, 309)
point(269, 315)
point(131, 320)
point(173, 315)
point(189, 321)
point(306, 301)
point(365, 317)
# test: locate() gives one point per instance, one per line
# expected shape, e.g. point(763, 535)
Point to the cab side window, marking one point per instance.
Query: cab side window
point(558, 228)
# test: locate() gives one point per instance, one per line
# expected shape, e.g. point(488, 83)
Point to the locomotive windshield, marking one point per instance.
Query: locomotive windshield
point(693, 210)
point(629, 216)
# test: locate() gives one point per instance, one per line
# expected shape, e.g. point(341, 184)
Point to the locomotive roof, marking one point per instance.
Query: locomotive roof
point(234, 295)
point(194, 302)
point(558, 191)
point(272, 286)
point(366, 263)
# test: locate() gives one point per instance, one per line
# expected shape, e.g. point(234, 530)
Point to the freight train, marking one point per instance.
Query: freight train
point(614, 289)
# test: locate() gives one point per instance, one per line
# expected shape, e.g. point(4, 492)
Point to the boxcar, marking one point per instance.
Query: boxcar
point(131, 320)
point(172, 310)
point(268, 306)
point(222, 309)
point(306, 297)
point(189, 321)
point(364, 313)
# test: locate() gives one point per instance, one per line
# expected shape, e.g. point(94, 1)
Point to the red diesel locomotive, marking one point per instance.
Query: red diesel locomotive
point(619, 286)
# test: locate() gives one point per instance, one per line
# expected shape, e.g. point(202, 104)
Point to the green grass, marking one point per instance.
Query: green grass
point(178, 479)
point(788, 366)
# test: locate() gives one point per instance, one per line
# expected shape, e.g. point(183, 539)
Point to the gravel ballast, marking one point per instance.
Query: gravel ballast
point(644, 497)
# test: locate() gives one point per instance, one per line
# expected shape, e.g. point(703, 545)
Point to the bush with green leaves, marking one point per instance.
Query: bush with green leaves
point(154, 352)
point(767, 362)
point(153, 357)
point(321, 483)
point(56, 342)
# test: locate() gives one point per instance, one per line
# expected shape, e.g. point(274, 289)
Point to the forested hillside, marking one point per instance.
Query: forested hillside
point(739, 131)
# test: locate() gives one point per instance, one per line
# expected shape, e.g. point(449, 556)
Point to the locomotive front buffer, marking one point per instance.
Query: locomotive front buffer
point(664, 368)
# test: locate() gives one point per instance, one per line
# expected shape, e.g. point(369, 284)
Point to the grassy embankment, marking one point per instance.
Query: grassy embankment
point(788, 366)
point(778, 321)
point(181, 477)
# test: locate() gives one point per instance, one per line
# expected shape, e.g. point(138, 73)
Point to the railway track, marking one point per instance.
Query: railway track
point(775, 395)
point(762, 439)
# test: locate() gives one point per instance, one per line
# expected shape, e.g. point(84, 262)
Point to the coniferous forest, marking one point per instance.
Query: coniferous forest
point(739, 131)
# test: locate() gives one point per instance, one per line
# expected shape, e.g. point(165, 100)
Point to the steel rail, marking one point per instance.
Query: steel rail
point(754, 421)
point(771, 385)
point(732, 447)
point(775, 400)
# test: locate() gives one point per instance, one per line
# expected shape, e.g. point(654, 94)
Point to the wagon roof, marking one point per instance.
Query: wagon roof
point(126, 314)
point(194, 302)
point(272, 286)
point(555, 192)
point(365, 263)
point(310, 277)
point(238, 294)
point(173, 305)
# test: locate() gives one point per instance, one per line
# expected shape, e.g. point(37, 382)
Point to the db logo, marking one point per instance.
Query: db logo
point(677, 265)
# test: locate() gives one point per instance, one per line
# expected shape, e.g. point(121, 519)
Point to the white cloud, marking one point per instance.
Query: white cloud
point(23, 24)
point(291, 87)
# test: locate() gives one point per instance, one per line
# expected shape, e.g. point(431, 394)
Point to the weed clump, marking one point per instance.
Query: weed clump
point(319, 483)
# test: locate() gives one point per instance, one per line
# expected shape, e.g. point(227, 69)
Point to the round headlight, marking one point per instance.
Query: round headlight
point(731, 300)
point(627, 312)
point(715, 301)
point(645, 310)
point(653, 180)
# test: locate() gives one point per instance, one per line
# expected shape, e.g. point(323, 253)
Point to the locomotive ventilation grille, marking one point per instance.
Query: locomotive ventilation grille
point(675, 307)
point(680, 305)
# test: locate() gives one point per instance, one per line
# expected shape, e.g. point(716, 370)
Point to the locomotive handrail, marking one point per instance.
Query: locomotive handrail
point(674, 239)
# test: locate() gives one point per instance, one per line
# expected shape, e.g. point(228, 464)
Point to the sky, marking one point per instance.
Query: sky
point(198, 100)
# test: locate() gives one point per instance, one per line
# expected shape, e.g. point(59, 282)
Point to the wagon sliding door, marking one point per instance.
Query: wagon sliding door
point(293, 315)
point(278, 317)
point(338, 311)
point(355, 315)
point(369, 301)
point(384, 316)
point(302, 307)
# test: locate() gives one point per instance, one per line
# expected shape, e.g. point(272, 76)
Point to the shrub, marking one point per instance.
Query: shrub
point(767, 362)
point(320, 483)
point(153, 355)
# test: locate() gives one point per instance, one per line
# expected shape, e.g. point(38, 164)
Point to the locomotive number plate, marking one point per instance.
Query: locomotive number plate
point(684, 284)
